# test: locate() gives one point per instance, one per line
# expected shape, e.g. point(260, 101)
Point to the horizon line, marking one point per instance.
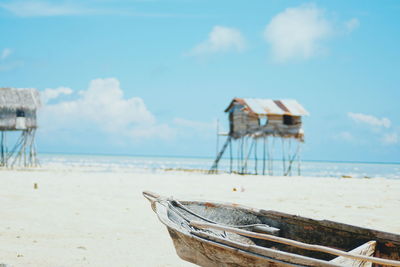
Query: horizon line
point(209, 157)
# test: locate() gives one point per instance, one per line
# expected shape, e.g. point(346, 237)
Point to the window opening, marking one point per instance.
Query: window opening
point(288, 120)
point(20, 113)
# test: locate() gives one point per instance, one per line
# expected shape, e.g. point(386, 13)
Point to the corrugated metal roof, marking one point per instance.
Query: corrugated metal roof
point(275, 107)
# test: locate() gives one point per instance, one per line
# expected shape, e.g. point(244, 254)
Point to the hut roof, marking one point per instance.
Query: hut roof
point(264, 107)
point(13, 98)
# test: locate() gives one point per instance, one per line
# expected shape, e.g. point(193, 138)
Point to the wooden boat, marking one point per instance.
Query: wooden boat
point(217, 234)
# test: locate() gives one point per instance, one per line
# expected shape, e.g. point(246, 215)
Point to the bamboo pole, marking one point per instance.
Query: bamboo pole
point(217, 146)
point(16, 149)
point(271, 155)
point(295, 155)
point(5, 149)
point(294, 243)
point(24, 147)
point(255, 156)
point(244, 163)
point(299, 160)
point(283, 155)
point(264, 154)
point(238, 155)
point(2, 162)
point(32, 149)
point(289, 154)
point(230, 156)
point(247, 157)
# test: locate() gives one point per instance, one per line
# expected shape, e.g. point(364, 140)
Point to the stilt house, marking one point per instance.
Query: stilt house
point(18, 108)
point(252, 120)
point(265, 117)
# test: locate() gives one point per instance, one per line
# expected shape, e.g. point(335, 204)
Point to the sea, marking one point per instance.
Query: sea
point(111, 163)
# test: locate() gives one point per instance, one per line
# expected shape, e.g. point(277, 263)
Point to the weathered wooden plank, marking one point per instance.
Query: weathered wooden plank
point(367, 249)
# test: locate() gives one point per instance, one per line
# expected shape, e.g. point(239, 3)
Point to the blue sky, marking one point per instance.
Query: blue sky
point(152, 77)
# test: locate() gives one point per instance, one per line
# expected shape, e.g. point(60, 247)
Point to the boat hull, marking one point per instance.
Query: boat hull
point(220, 248)
point(211, 254)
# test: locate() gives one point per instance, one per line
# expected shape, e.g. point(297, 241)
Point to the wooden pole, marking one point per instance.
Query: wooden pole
point(238, 155)
point(283, 155)
point(32, 148)
point(244, 169)
point(25, 146)
point(271, 155)
point(255, 155)
point(247, 157)
point(241, 154)
point(5, 149)
point(291, 160)
point(299, 160)
point(289, 154)
point(230, 156)
point(264, 155)
point(2, 162)
point(217, 146)
point(17, 149)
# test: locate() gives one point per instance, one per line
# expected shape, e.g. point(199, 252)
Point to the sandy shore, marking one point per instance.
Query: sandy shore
point(77, 218)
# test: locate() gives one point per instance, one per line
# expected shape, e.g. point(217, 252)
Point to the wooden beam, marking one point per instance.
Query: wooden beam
point(367, 249)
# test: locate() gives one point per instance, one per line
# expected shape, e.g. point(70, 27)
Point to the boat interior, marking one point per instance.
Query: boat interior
point(323, 233)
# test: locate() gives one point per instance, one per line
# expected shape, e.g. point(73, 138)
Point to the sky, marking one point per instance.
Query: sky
point(152, 77)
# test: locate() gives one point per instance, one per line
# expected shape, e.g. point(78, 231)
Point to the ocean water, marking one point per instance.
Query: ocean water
point(105, 163)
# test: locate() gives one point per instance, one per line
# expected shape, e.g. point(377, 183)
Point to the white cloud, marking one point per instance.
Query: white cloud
point(297, 33)
point(378, 129)
point(220, 39)
point(5, 53)
point(352, 24)
point(370, 120)
point(49, 94)
point(390, 138)
point(47, 8)
point(102, 106)
point(35, 8)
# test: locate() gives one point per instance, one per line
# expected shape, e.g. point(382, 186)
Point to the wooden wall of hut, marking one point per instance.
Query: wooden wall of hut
point(284, 126)
point(242, 122)
point(10, 119)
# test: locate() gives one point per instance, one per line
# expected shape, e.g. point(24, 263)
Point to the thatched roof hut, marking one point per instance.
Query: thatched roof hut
point(18, 108)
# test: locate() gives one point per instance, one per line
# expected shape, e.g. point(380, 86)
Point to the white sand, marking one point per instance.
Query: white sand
point(78, 218)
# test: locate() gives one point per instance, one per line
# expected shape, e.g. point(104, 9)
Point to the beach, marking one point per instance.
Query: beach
point(79, 217)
